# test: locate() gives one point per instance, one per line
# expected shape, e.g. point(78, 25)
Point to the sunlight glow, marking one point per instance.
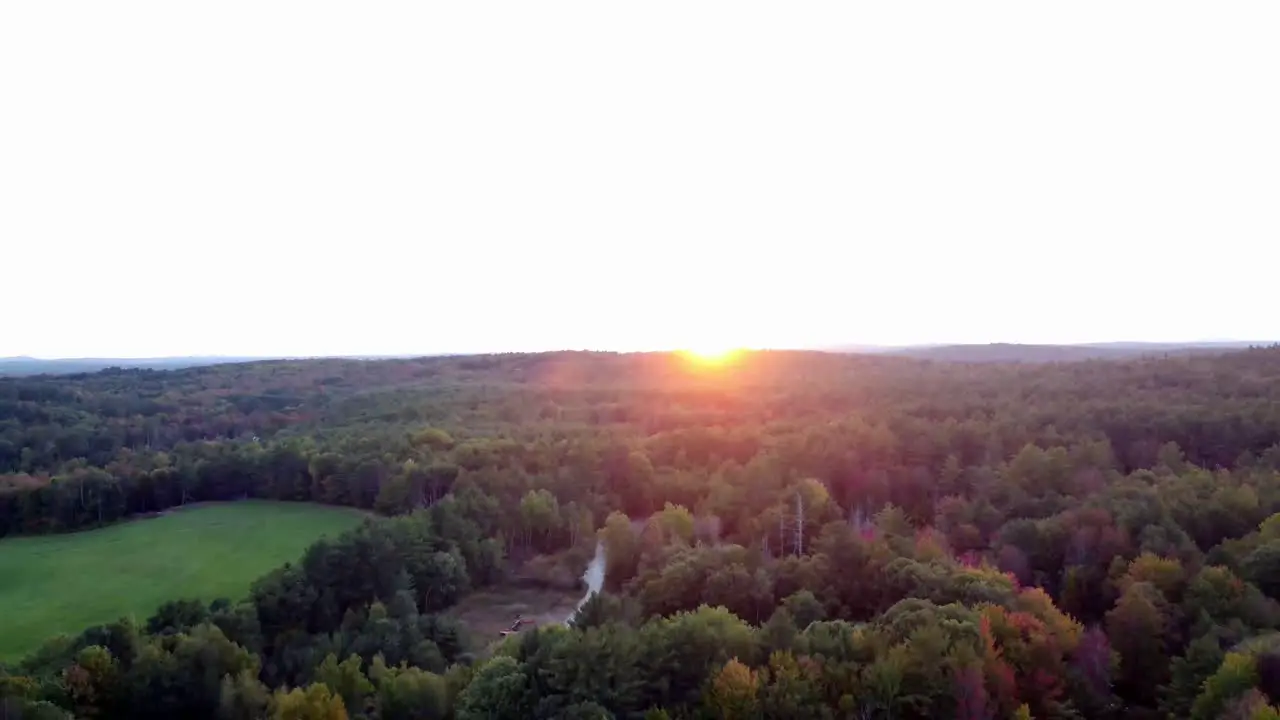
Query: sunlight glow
point(712, 354)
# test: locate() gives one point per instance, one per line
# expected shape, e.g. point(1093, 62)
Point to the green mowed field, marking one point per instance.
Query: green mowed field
point(64, 583)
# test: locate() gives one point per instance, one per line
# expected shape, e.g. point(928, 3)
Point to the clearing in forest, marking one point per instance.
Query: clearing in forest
point(489, 612)
point(55, 584)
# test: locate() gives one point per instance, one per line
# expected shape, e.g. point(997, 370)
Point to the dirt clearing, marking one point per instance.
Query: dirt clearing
point(489, 612)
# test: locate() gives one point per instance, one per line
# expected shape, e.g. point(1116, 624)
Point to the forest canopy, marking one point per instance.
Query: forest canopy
point(788, 534)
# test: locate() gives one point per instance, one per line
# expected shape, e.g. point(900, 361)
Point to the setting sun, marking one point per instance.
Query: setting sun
point(712, 355)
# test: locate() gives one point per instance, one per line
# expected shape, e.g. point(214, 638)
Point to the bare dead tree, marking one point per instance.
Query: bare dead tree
point(799, 548)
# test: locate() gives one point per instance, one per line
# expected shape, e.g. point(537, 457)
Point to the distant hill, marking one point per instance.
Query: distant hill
point(37, 366)
point(1015, 353)
point(14, 366)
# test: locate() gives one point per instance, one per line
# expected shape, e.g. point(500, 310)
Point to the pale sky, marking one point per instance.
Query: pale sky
point(298, 178)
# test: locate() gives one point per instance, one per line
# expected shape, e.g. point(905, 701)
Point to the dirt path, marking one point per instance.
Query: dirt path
point(593, 577)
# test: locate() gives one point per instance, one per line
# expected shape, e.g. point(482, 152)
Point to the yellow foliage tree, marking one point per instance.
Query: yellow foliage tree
point(734, 692)
point(316, 702)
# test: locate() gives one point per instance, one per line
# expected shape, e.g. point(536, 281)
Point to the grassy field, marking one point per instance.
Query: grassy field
point(65, 583)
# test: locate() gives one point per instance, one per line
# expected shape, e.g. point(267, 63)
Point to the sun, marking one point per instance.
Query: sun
point(711, 354)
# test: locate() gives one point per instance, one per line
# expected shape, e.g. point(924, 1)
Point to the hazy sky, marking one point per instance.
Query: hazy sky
point(258, 178)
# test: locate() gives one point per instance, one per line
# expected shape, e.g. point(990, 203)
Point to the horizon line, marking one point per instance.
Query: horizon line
point(835, 347)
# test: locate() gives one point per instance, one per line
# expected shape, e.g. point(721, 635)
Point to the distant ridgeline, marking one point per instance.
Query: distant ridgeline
point(36, 366)
point(1016, 353)
point(826, 534)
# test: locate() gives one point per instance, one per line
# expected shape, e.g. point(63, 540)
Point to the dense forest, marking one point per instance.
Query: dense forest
point(787, 535)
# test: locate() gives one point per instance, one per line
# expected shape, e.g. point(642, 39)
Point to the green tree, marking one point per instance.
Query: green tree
point(407, 693)
point(346, 680)
point(539, 516)
point(780, 633)
point(1137, 628)
point(1237, 676)
point(804, 608)
point(244, 697)
point(1262, 568)
point(498, 691)
point(621, 548)
point(1189, 672)
point(676, 523)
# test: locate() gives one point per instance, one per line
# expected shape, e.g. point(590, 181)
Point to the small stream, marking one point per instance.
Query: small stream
point(593, 577)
